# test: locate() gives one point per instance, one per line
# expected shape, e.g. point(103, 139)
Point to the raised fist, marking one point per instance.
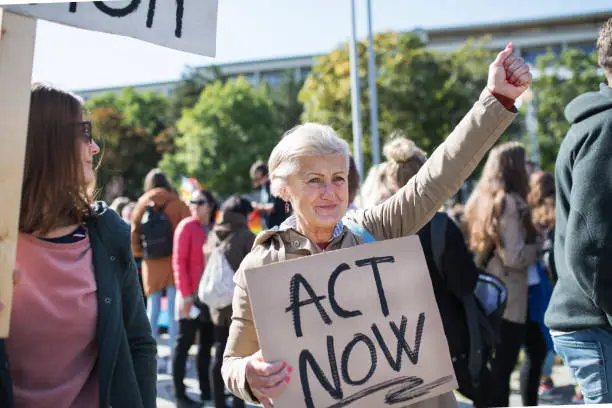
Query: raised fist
point(509, 75)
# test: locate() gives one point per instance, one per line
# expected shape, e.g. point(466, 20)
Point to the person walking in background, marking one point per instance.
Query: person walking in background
point(504, 242)
point(235, 240)
point(188, 262)
point(541, 201)
point(272, 210)
point(580, 310)
point(154, 220)
point(79, 333)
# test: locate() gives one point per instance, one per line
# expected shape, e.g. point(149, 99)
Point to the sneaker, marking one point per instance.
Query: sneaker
point(546, 386)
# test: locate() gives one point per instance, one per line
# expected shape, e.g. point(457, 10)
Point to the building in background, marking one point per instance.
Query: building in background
point(530, 38)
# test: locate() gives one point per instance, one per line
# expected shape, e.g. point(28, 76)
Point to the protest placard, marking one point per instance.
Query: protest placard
point(16, 53)
point(360, 326)
point(186, 25)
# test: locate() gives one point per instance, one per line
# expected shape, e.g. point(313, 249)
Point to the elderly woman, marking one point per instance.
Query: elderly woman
point(308, 169)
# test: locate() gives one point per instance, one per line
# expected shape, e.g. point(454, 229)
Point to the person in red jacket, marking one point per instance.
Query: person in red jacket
point(188, 263)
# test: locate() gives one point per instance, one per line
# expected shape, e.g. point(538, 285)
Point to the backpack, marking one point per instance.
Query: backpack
point(216, 287)
point(484, 307)
point(156, 233)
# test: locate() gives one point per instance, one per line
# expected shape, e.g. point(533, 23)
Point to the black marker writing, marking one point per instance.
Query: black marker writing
point(132, 7)
point(151, 13)
point(335, 391)
point(306, 359)
point(379, 287)
point(120, 12)
point(331, 288)
point(296, 304)
point(400, 335)
point(346, 354)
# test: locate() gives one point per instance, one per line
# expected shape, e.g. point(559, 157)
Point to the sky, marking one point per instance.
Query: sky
point(256, 29)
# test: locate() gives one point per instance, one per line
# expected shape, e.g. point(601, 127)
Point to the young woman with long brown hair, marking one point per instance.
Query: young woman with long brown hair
point(504, 241)
point(79, 332)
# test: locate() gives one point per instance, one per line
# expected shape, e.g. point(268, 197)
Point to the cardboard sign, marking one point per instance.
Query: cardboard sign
point(187, 25)
point(17, 35)
point(360, 326)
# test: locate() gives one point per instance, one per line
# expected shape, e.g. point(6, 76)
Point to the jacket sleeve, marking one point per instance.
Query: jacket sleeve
point(460, 271)
point(143, 347)
point(408, 210)
point(180, 260)
point(514, 252)
point(242, 341)
point(136, 218)
point(589, 226)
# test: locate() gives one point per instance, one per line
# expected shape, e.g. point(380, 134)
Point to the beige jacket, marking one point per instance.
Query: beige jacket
point(512, 258)
point(401, 215)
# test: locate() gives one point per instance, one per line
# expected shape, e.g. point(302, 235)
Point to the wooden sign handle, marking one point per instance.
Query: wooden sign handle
point(16, 60)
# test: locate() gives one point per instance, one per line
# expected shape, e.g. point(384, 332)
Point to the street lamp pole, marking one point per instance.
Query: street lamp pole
point(355, 102)
point(372, 74)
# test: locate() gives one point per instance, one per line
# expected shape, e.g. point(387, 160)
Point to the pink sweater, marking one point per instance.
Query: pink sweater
point(52, 345)
point(188, 256)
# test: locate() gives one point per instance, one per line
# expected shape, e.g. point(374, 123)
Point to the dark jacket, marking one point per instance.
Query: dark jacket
point(126, 360)
point(233, 234)
point(582, 297)
point(457, 279)
point(278, 215)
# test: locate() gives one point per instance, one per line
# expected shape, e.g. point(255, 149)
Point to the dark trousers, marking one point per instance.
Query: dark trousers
point(187, 329)
point(216, 381)
point(513, 337)
point(480, 395)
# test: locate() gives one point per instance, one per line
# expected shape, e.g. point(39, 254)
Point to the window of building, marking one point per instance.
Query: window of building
point(531, 54)
point(273, 78)
point(304, 71)
point(586, 46)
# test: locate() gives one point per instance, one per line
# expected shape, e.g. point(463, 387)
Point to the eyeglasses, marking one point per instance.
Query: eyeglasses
point(199, 203)
point(87, 134)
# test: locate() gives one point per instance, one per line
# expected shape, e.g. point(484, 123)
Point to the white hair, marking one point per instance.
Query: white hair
point(309, 139)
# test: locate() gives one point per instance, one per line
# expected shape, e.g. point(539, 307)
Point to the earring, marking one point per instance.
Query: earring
point(287, 207)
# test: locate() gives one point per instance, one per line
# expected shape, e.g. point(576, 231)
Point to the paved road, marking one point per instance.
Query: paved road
point(562, 395)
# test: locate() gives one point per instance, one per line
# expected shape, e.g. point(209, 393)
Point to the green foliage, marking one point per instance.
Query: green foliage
point(422, 93)
point(126, 126)
point(231, 125)
point(287, 108)
point(562, 79)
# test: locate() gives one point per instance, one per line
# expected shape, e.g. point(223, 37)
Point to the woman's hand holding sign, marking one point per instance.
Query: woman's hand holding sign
point(267, 380)
point(509, 75)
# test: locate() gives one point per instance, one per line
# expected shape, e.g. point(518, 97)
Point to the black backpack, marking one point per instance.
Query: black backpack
point(484, 307)
point(156, 233)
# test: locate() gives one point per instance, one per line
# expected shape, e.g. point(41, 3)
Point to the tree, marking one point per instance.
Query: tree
point(287, 108)
point(231, 125)
point(561, 79)
point(421, 92)
point(128, 125)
